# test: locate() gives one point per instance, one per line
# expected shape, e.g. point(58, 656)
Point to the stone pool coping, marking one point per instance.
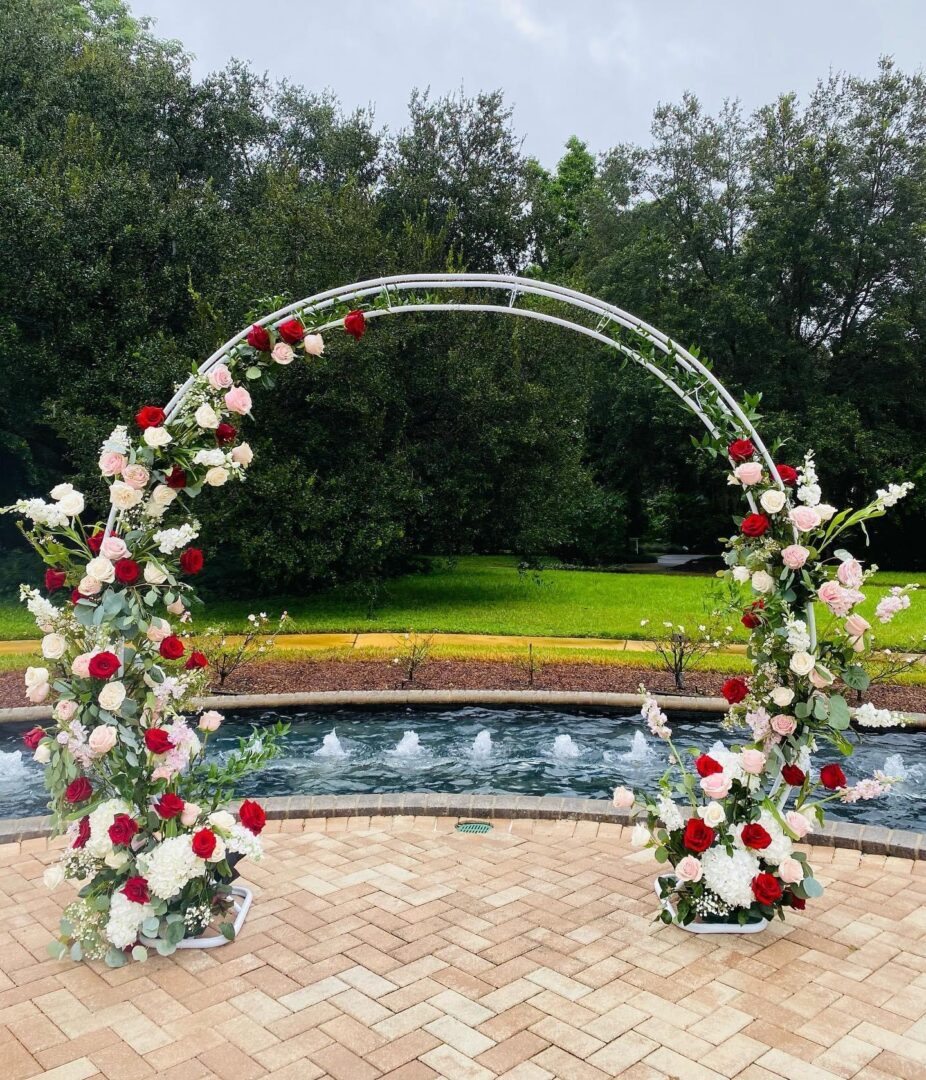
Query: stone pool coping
point(870, 839)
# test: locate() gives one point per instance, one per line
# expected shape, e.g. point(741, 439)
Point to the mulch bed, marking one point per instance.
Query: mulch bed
point(279, 676)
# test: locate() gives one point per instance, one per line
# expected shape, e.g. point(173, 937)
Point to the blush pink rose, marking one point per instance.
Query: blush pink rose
point(81, 666)
point(856, 626)
point(798, 823)
point(210, 721)
point(114, 548)
point(850, 573)
point(752, 762)
point(794, 556)
point(716, 786)
point(238, 400)
point(111, 463)
point(220, 378)
point(821, 678)
point(623, 798)
point(66, 710)
point(749, 473)
point(790, 871)
point(102, 739)
point(839, 600)
point(804, 518)
point(282, 353)
point(89, 586)
point(688, 869)
point(190, 814)
point(783, 724)
point(136, 476)
point(313, 344)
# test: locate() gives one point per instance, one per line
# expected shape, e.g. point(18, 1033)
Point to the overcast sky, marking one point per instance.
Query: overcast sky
point(594, 68)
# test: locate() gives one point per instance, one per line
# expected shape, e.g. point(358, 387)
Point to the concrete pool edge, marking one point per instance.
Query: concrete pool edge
point(869, 839)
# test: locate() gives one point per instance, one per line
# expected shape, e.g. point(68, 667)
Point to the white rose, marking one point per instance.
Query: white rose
point(111, 696)
point(219, 853)
point(741, 574)
point(53, 876)
point(35, 676)
point(42, 754)
point(640, 835)
point(242, 455)
point(103, 738)
point(72, 504)
point(763, 582)
point(157, 436)
point(209, 457)
point(825, 511)
point(782, 696)
point(216, 477)
point(122, 495)
point(222, 819)
point(53, 646)
point(773, 501)
point(163, 495)
point(206, 416)
point(802, 663)
point(712, 814)
point(154, 575)
point(313, 344)
point(61, 491)
point(115, 860)
point(101, 569)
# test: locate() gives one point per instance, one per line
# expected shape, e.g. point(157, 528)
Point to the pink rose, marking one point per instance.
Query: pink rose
point(282, 353)
point(81, 666)
point(790, 871)
point(749, 473)
point(66, 710)
point(210, 721)
point(114, 548)
point(794, 556)
point(839, 600)
point(688, 869)
point(190, 814)
point(220, 378)
point(850, 573)
point(238, 400)
point(856, 626)
point(162, 772)
point(784, 724)
point(804, 518)
point(716, 786)
point(89, 586)
point(798, 823)
point(821, 677)
point(136, 476)
point(158, 630)
point(623, 798)
point(752, 762)
point(111, 463)
point(102, 739)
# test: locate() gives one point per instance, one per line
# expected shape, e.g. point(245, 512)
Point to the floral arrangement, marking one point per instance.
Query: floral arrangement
point(150, 835)
point(731, 850)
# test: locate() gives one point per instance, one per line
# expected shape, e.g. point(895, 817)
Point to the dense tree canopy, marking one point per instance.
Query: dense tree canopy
point(145, 216)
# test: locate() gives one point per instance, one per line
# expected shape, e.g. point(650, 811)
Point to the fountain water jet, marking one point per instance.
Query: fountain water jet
point(482, 744)
point(564, 747)
point(331, 746)
point(408, 746)
point(639, 751)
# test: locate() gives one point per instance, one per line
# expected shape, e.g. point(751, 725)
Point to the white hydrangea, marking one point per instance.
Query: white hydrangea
point(171, 540)
point(99, 845)
point(730, 876)
point(170, 866)
point(125, 919)
point(727, 760)
point(244, 842)
point(670, 814)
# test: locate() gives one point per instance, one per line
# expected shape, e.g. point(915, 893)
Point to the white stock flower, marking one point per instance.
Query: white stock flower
point(206, 417)
point(869, 717)
point(669, 813)
point(156, 437)
point(730, 876)
point(123, 496)
point(773, 500)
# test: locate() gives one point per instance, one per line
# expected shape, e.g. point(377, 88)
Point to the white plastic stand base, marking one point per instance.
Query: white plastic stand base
point(707, 927)
point(242, 905)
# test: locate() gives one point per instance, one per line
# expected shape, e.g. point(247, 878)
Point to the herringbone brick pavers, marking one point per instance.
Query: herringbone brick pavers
point(396, 948)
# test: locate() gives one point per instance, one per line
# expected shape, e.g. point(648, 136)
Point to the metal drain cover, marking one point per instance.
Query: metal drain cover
point(473, 826)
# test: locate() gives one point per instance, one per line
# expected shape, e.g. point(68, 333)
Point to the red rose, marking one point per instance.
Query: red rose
point(149, 416)
point(157, 740)
point(83, 833)
point(355, 324)
point(252, 816)
point(259, 339)
point(172, 648)
point(176, 478)
point(126, 571)
point(754, 525)
point(292, 331)
point(832, 777)
point(197, 660)
point(792, 775)
point(751, 617)
point(203, 843)
point(191, 561)
point(95, 542)
point(78, 790)
point(33, 737)
point(54, 580)
point(698, 836)
point(797, 902)
point(225, 433)
point(766, 889)
point(734, 690)
point(754, 836)
point(104, 665)
point(741, 450)
point(169, 805)
point(787, 474)
point(136, 889)
point(76, 597)
point(707, 766)
point(122, 830)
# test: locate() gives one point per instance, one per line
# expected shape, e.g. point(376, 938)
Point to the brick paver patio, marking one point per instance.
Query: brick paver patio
point(394, 947)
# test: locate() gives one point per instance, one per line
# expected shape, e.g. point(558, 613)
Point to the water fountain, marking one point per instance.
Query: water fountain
point(640, 750)
point(12, 766)
point(482, 744)
point(564, 747)
point(331, 746)
point(408, 746)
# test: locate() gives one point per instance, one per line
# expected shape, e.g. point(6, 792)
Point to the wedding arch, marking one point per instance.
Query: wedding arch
point(147, 817)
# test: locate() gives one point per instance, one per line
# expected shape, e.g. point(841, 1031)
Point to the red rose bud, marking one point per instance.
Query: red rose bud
point(225, 433)
point(751, 618)
point(766, 889)
point(33, 737)
point(707, 766)
point(122, 830)
point(754, 525)
point(78, 790)
point(797, 902)
point(103, 666)
point(755, 837)
point(355, 324)
point(75, 596)
point(787, 474)
point(83, 833)
point(741, 450)
point(196, 660)
point(204, 843)
point(157, 740)
point(169, 806)
point(792, 775)
point(698, 836)
point(172, 648)
point(126, 571)
point(136, 889)
point(176, 478)
point(259, 339)
point(95, 542)
point(734, 690)
point(832, 777)
point(292, 331)
point(252, 816)
point(191, 561)
point(54, 580)
point(150, 416)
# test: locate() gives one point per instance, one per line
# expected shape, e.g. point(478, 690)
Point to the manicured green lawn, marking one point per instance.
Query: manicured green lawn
point(486, 594)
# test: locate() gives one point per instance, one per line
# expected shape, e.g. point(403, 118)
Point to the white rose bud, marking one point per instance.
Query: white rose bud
point(313, 344)
point(157, 437)
point(53, 876)
point(53, 646)
point(242, 455)
point(222, 819)
point(42, 754)
point(216, 477)
point(206, 417)
point(35, 676)
point(773, 501)
point(72, 504)
point(154, 575)
point(712, 814)
point(825, 511)
point(101, 569)
point(123, 496)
